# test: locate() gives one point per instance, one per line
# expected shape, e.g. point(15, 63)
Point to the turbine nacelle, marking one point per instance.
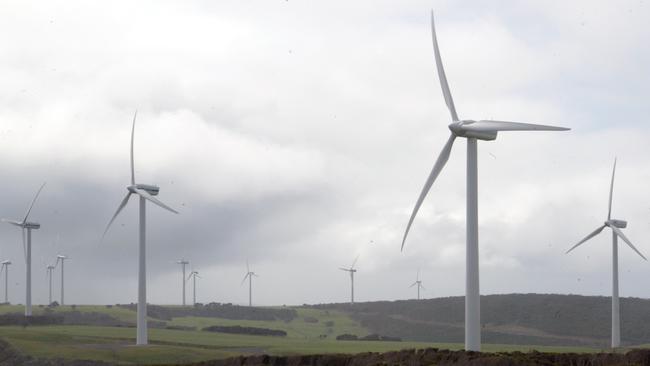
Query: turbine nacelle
point(459, 129)
point(31, 225)
point(151, 189)
point(621, 224)
point(6, 263)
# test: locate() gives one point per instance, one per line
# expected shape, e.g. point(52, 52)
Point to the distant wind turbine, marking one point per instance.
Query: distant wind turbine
point(146, 192)
point(5, 268)
point(183, 263)
point(27, 250)
point(418, 282)
point(61, 258)
point(615, 225)
point(471, 130)
point(352, 272)
point(249, 275)
point(50, 269)
point(193, 275)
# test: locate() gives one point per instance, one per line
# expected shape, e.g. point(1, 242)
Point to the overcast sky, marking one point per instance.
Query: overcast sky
point(298, 134)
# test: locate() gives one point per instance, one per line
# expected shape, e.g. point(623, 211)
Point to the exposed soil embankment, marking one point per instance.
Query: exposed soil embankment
point(433, 356)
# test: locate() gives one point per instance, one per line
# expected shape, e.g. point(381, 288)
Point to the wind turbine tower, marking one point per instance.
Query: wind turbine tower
point(27, 228)
point(352, 271)
point(5, 268)
point(183, 263)
point(146, 192)
point(50, 268)
point(616, 226)
point(473, 131)
point(61, 258)
point(193, 275)
point(249, 275)
point(418, 283)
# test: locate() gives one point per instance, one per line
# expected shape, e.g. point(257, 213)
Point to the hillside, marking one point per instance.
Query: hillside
point(507, 319)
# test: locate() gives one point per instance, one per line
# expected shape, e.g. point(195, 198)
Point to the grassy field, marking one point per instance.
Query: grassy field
point(179, 346)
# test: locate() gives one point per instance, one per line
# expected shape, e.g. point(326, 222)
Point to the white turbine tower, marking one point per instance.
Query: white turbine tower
point(352, 272)
point(615, 225)
point(418, 283)
point(249, 275)
point(27, 250)
point(5, 268)
point(183, 263)
point(50, 268)
point(146, 192)
point(61, 258)
point(193, 275)
point(471, 130)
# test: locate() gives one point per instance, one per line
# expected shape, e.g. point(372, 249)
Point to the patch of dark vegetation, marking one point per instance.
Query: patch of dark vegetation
point(433, 356)
point(64, 318)
point(310, 319)
point(543, 319)
point(246, 330)
point(329, 323)
point(217, 310)
point(369, 337)
point(180, 327)
point(9, 356)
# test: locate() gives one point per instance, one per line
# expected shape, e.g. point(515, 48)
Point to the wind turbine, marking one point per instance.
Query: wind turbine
point(27, 250)
point(418, 282)
point(352, 271)
point(146, 192)
point(615, 225)
point(62, 259)
point(5, 268)
point(193, 275)
point(486, 130)
point(183, 263)
point(50, 268)
point(249, 275)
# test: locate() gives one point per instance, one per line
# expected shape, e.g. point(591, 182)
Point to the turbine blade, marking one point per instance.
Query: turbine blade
point(119, 209)
point(344, 269)
point(495, 126)
point(153, 199)
point(245, 277)
point(422, 287)
point(33, 201)
point(132, 138)
point(594, 233)
point(626, 240)
point(418, 276)
point(355, 262)
point(414, 283)
point(13, 222)
point(611, 192)
point(441, 73)
point(437, 168)
point(248, 268)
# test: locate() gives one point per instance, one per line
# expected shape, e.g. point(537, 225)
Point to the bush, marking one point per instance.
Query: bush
point(246, 330)
point(311, 319)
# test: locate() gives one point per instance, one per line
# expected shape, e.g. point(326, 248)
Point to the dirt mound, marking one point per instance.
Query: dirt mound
point(432, 356)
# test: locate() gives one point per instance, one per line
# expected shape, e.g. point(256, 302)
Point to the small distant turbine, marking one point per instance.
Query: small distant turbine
point(27, 250)
point(147, 193)
point(193, 275)
point(472, 131)
point(61, 258)
point(418, 282)
point(249, 275)
point(183, 263)
point(5, 268)
point(352, 272)
point(50, 269)
point(615, 225)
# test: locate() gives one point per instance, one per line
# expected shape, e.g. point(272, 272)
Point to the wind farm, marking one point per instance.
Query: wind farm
point(295, 138)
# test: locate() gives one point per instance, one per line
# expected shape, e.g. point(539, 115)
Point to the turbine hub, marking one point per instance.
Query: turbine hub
point(151, 189)
point(459, 128)
point(621, 224)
